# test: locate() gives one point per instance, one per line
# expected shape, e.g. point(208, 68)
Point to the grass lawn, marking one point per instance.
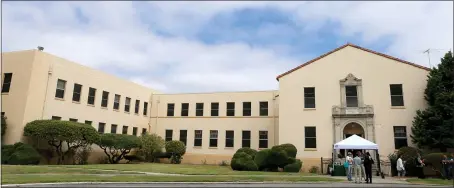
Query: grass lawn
point(180, 169)
point(28, 169)
point(19, 179)
point(433, 181)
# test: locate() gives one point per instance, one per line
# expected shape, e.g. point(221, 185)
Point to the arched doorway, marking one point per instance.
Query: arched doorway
point(349, 130)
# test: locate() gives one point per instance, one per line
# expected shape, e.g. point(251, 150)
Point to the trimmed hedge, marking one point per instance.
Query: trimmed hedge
point(261, 159)
point(249, 151)
point(409, 155)
point(290, 149)
point(433, 160)
point(242, 161)
point(294, 167)
point(20, 154)
point(176, 149)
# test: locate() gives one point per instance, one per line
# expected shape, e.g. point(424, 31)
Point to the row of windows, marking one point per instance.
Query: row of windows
point(213, 142)
point(101, 126)
point(77, 93)
point(214, 110)
point(351, 96)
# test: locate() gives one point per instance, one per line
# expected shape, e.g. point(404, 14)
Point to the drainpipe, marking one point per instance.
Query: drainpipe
point(157, 114)
point(49, 74)
point(276, 133)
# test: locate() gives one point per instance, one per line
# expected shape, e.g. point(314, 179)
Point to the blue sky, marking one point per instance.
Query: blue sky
point(237, 45)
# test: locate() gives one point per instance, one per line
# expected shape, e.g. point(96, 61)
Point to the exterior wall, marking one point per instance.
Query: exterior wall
point(376, 72)
point(255, 123)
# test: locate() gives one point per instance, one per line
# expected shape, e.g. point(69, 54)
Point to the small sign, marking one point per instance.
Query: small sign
point(351, 111)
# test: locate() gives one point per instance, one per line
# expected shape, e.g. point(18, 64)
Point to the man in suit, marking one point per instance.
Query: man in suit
point(368, 161)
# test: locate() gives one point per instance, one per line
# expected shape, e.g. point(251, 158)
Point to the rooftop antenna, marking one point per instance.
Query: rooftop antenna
point(40, 48)
point(428, 56)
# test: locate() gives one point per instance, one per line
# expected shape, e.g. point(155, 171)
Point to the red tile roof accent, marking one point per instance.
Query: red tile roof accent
point(357, 47)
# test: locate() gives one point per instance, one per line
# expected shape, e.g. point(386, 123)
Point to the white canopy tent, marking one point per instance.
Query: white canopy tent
point(356, 142)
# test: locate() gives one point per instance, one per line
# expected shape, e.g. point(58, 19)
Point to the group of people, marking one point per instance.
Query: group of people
point(447, 166)
point(359, 165)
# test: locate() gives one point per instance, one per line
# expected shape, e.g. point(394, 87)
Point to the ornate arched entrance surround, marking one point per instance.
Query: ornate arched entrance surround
point(352, 129)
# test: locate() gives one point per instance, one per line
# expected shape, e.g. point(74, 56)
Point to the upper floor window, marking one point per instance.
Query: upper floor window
point(127, 104)
point(117, 102)
point(145, 108)
point(170, 109)
point(214, 109)
point(88, 122)
point(247, 109)
point(136, 107)
point(184, 109)
point(397, 96)
point(263, 108)
point(351, 94)
point(72, 119)
point(309, 97)
point(61, 86)
point(105, 99)
point(91, 96)
point(7, 82)
point(56, 118)
point(199, 109)
point(230, 109)
point(76, 92)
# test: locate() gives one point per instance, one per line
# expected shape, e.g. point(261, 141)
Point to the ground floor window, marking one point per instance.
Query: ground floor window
point(246, 140)
point(213, 138)
point(198, 138)
point(263, 139)
point(310, 137)
point(400, 137)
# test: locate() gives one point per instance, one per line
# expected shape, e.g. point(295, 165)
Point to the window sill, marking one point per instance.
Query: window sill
point(136, 114)
point(309, 109)
point(229, 148)
point(91, 105)
point(262, 149)
point(397, 107)
point(5, 93)
point(115, 110)
point(145, 116)
point(76, 102)
point(60, 99)
point(197, 147)
point(310, 149)
point(104, 108)
point(212, 147)
point(127, 112)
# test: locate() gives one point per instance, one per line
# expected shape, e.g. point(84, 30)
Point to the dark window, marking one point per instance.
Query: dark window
point(170, 109)
point(125, 130)
point(400, 137)
point(184, 136)
point(88, 122)
point(397, 96)
point(7, 82)
point(169, 134)
point(184, 109)
point(105, 99)
point(113, 129)
point(246, 140)
point(229, 139)
point(263, 139)
point(246, 108)
point(127, 104)
point(61, 86)
point(136, 107)
point(56, 118)
point(72, 119)
point(76, 92)
point(144, 131)
point(213, 138)
point(199, 109)
point(198, 138)
point(230, 109)
point(310, 136)
point(101, 127)
point(145, 108)
point(117, 102)
point(91, 96)
point(214, 109)
point(263, 108)
point(309, 97)
point(134, 131)
point(351, 95)
point(3, 114)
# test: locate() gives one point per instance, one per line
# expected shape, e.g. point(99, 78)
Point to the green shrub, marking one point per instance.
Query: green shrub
point(3, 125)
point(409, 154)
point(20, 154)
point(176, 149)
point(261, 159)
point(290, 149)
point(116, 146)
point(433, 161)
point(241, 161)
point(82, 154)
point(294, 167)
point(249, 151)
point(278, 159)
point(152, 146)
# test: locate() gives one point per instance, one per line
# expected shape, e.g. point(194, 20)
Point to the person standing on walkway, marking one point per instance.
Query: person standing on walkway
point(349, 165)
point(368, 161)
point(357, 163)
point(400, 167)
point(420, 166)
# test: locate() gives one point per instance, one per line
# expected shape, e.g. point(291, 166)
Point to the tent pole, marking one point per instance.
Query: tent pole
point(379, 166)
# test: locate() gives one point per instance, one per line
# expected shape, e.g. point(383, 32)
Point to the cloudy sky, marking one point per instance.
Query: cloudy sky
point(221, 46)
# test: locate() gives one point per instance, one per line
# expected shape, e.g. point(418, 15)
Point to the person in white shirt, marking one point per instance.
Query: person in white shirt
point(400, 167)
point(349, 160)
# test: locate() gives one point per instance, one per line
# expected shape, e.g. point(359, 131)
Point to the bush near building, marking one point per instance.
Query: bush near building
point(20, 154)
point(151, 147)
point(278, 157)
point(176, 149)
point(3, 125)
point(117, 146)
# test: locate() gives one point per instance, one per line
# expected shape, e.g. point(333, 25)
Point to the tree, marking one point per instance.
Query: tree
point(59, 133)
point(3, 125)
point(176, 149)
point(116, 146)
point(434, 126)
point(150, 146)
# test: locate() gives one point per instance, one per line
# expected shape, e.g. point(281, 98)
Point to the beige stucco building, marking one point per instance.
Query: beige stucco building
point(350, 90)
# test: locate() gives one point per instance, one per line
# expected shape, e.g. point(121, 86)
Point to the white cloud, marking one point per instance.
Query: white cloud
point(114, 36)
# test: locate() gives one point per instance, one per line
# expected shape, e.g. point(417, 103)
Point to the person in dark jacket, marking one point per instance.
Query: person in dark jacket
point(368, 161)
